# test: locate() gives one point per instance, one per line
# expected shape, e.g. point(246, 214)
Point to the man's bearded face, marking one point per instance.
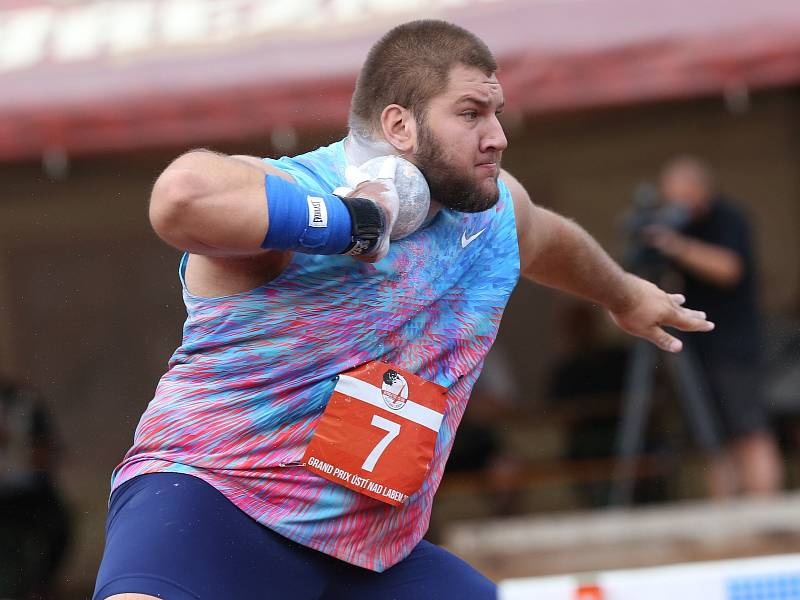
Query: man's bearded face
point(451, 176)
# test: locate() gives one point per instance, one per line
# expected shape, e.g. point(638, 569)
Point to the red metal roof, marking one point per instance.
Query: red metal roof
point(105, 75)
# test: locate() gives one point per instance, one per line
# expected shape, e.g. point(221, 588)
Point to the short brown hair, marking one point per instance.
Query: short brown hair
point(410, 64)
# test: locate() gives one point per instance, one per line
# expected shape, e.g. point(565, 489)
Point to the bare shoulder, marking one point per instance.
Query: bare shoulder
point(523, 207)
point(518, 192)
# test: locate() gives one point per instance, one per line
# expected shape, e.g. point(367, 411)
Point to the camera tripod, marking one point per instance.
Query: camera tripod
point(688, 381)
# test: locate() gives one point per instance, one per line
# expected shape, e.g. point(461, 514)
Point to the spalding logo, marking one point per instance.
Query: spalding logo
point(394, 390)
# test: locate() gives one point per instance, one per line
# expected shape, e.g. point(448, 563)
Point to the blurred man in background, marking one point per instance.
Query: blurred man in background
point(34, 523)
point(714, 254)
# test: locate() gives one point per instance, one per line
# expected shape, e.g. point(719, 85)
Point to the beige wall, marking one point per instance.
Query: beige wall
point(90, 308)
point(92, 313)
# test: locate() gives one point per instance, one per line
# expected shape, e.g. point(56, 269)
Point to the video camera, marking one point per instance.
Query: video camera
point(648, 209)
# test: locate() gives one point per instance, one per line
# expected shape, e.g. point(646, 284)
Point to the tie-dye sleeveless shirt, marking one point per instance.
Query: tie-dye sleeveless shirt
point(254, 371)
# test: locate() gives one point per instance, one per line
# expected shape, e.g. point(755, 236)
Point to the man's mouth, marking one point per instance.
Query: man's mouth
point(491, 167)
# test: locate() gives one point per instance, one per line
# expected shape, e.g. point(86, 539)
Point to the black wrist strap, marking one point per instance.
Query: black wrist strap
point(368, 225)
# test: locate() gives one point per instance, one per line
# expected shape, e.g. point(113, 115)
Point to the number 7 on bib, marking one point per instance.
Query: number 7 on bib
point(378, 433)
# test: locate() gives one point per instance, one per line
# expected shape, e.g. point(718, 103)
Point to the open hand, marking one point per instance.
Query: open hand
point(650, 309)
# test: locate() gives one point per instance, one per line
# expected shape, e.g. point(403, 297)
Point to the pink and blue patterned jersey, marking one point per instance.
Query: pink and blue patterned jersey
point(254, 371)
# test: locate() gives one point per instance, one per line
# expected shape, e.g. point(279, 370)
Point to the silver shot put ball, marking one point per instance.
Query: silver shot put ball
point(412, 190)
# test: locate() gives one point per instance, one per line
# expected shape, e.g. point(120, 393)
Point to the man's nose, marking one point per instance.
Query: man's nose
point(494, 139)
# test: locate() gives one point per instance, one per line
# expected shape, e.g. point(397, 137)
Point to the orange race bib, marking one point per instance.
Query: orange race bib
point(378, 432)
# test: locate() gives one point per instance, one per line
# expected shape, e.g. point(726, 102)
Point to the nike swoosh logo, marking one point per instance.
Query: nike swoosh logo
point(466, 241)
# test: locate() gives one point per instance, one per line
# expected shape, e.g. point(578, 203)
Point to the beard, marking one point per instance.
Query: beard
point(453, 190)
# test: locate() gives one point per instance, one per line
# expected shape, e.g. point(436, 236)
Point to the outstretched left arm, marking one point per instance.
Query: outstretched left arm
point(557, 252)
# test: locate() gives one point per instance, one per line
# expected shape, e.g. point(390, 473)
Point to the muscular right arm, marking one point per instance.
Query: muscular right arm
point(211, 204)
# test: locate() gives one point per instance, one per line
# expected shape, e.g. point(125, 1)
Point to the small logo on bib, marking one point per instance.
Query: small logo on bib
point(394, 390)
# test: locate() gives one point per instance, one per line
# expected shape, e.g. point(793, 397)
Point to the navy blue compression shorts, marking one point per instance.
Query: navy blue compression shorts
point(174, 536)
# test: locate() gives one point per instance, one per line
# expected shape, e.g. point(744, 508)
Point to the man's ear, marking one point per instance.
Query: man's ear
point(399, 128)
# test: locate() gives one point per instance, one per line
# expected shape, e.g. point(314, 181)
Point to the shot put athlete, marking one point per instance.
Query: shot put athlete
point(294, 446)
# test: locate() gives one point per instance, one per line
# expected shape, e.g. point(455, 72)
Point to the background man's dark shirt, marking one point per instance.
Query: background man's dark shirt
point(733, 309)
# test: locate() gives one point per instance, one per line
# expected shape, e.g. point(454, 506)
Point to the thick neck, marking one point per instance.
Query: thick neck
point(359, 148)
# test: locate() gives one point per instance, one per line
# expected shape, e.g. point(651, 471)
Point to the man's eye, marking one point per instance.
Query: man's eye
point(470, 115)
